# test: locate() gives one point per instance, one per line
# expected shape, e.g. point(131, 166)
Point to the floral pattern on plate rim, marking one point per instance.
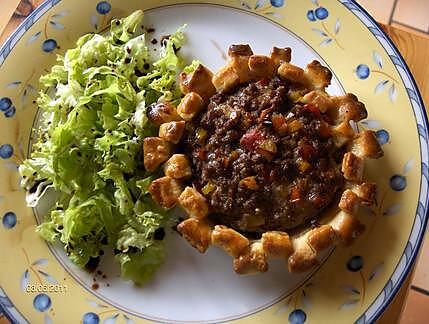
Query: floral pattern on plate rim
point(320, 14)
point(264, 7)
point(363, 71)
point(107, 313)
point(42, 301)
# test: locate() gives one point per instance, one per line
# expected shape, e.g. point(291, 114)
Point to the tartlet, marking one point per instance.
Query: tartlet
point(263, 152)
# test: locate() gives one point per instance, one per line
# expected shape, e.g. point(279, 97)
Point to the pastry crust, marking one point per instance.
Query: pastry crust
point(348, 107)
point(190, 105)
point(165, 191)
point(343, 133)
point(322, 237)
point(303, 257)
point(253, 260)
point(352, 167)
point(162, 112)
point(300, 251)
point(178, 167)
point(239, 50)
point(172, 131)
point(155, 151)
point(277, 244)
point(366, 191)
point(292, 73)
point(197, 232)
point(318, 75)
point(349, 202)
point(230, 240)
point(366, 145)
point(320, 99)
point(280, 55)
point(198, 81)
point(194, 203)
point(261, 66)
point(347, 227)
point(225, 79)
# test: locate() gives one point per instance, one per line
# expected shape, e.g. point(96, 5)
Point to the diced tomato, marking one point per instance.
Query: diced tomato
point(251, 139)
point(279, 124)
point(266, 173)
point(202, 154)
point(295, 194)
point(263, 82)
point(316, 199)
point(324, 129)
point(306, 151)
point(313, 109)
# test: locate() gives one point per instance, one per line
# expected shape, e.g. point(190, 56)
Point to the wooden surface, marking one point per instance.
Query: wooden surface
point(393, 312)
point(414, 49)
point(6, 11)
point(12, 13)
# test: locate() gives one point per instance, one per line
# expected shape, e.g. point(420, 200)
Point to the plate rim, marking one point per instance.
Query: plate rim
point(390, 289)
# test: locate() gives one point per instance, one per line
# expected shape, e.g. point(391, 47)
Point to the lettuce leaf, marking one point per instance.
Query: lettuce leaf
point(123, 29)
point(140, 267)
point(89, 146)
point(139, 230)
point(163, 77)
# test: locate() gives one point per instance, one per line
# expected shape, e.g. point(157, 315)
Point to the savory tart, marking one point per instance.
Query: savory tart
point(264, 151)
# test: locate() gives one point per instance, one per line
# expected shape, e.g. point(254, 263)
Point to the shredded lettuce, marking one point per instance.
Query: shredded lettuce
point(89, 146)
point(138, 266)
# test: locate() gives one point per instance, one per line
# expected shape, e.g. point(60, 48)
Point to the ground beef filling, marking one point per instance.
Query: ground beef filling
point(262, 162)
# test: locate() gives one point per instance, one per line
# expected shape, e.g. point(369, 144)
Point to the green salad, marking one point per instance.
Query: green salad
point(89, 147)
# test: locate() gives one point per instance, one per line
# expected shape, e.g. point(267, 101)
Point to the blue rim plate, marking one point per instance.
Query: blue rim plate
point(409, 254)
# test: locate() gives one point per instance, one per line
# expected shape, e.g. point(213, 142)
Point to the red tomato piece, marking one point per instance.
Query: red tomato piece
point(252, 139)
point(295, 194)
point(313, 109)
point(316, 200)
point(306, 151)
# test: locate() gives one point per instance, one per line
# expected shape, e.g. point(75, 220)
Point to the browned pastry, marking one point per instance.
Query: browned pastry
point(190, 105)
point(199, 82)
point(156, 151)
point(266, 151)
point(178, 167)
point(193, 203)
point(197, 232)
point(162, 112)
point(172, 131)
point(165, 191)
point(230, 240)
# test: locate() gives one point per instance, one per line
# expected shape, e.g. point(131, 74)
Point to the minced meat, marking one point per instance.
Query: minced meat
point(263, 162)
